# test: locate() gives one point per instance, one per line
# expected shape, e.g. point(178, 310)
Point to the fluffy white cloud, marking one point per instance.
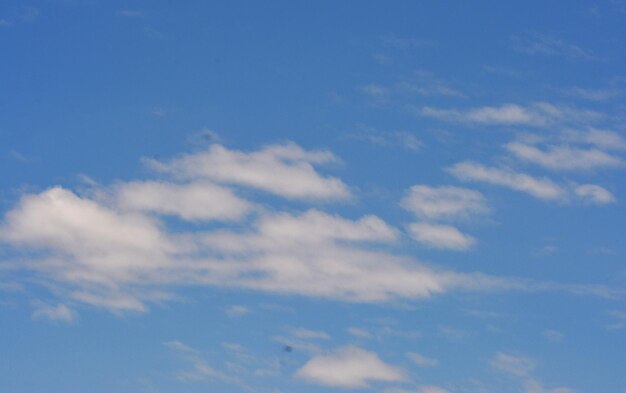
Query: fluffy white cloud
point(110, 250)
point(444, 202)
point(349, 367)
point(317, 254)
point(440, 236)
point(284, 170)
point(89, 245)
point(564, 157)
point(119, 259)
point(192, 202)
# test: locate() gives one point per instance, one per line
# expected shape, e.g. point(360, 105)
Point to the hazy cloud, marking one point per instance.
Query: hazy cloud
point(445, 202)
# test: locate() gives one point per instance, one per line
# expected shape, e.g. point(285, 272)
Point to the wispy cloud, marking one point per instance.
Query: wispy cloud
point(591, 94)
point(445, 202)
point(127, 13)
point(389, 139)
point(564, 157)
point(603, 139)
point(538, 114)
point(522, 368)
point(237, 310)
point(513, 364)
point(552, 335)
point(619, 320)
point(24, 15)
point(397, 42)
point(421, 360)
point(542, 188)
point(422, 83)
point(309, 334)
point(541, 44)
point(199, 369)
point(58, 313)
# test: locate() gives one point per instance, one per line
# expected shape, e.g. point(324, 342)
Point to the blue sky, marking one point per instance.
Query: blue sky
point(274, 197)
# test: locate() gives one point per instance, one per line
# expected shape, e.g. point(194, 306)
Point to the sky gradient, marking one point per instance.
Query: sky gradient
point(277, 197)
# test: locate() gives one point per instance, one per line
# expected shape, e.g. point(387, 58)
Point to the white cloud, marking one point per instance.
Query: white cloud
point(564, 157)
point(119, 260)
point(298, 344)
point(538, 114)
point(420, 389)
point(421, 360)
point(542, 188)
point(444, 202)
point(512, 364)
point(594, 194)
point(541, 44)
point(358, 332)
point(96, 252)
point(309, 334)
point(285, 170)
point(199, 369)
point(237, 310)
point(507, 114)
point(131, 13)
point(591, 94)
point(552, 335)
point(523, 367)
point(440, 236)
point(431, 389)
point(58, 313)
point(349, 367)
point(604, 139)
point(91, 246)
point(533, 386)
point(401, 139)
point(376, 91)
point(195, 201)
point(316, 254)
point(620, 320)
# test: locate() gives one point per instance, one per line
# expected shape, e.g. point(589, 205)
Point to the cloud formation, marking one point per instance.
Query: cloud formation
point(115, 248)
point(542, 188)
point(349, 367)
point(537, 114)
point(440, 236)
point(564, 157)
point(285, 170)
point(444, 202)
